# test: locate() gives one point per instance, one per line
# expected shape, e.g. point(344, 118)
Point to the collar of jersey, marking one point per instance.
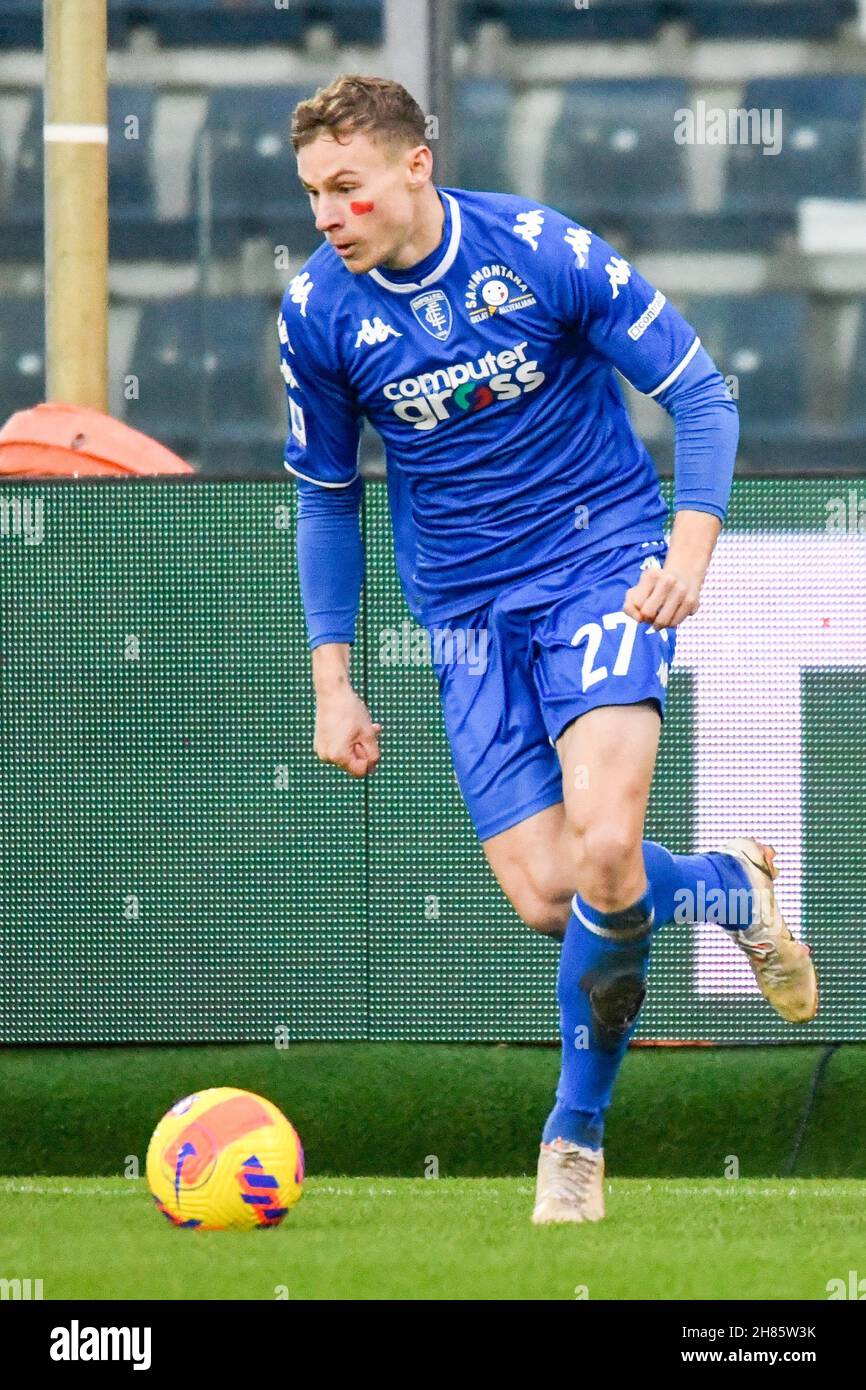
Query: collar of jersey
point(444, 264)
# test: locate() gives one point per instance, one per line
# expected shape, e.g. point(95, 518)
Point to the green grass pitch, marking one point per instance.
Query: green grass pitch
point(448, 1238)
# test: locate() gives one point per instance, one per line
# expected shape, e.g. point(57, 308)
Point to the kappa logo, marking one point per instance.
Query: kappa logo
point(284, 334)
point(500, 290)
point(300, 289)
point(375, 331)
point(618, 273)
point(433, 311)
point(580, 240)
point(289, 377)
point(529, 225)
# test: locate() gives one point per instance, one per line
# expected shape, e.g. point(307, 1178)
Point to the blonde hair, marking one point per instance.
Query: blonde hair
point(383, 109)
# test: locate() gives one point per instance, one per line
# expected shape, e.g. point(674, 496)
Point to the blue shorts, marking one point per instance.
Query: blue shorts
point(514, 674)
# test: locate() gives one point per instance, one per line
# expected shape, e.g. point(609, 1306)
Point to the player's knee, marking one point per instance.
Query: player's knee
point(606, 849)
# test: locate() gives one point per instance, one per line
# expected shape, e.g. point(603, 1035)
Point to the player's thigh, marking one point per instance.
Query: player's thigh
point(504, 762)
point(608, 757)
point(531, 861)
point(602, 681)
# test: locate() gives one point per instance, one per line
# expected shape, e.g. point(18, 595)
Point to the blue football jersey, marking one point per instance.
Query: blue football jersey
point(488, 371)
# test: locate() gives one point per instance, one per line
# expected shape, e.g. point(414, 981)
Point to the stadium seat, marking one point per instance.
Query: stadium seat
point(688, 233)
point(254, 181)
point(21, 23)
point(482, 111)
point(856, 412)
point(203, 369)
point(353, 21)
point(194, 23)
point(131, 188)
point(26, 199)
point(22, 354)
point(766, 19)
point(136, 232)
point(612, 151)
point(759, 339)
point(821, 151)
point(557, 21)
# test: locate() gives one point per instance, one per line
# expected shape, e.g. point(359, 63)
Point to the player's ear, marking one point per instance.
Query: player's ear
point(419, 165)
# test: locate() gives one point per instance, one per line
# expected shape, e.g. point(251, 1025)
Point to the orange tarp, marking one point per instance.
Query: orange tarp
point(56, 441)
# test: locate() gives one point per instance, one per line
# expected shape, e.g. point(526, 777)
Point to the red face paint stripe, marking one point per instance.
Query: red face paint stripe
point(360, 208)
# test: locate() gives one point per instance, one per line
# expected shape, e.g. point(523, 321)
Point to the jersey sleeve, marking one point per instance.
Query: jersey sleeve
point(324, 419)
point(628, 322)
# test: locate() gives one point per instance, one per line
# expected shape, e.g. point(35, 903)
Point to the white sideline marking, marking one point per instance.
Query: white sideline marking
point(626, 1187)
point(72, 1191)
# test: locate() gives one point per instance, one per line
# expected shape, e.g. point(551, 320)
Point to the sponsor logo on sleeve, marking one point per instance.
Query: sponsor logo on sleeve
point(649, 315)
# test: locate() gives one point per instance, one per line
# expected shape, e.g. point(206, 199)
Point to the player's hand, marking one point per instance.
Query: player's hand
point(345, 733)
point(664, 597)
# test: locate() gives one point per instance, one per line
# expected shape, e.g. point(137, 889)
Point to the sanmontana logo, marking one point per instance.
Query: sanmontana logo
point(501, 291)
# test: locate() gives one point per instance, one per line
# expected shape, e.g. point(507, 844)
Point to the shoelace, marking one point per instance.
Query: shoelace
point(574, 1174)
point(767, 953)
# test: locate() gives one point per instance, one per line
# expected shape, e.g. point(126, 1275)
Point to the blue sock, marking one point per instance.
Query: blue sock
point(603, 967)
point(694, 888)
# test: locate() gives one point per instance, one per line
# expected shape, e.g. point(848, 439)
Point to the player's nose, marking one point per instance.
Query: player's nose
point(328, 217)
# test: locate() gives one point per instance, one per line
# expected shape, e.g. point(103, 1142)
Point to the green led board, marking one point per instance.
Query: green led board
point(175, 864)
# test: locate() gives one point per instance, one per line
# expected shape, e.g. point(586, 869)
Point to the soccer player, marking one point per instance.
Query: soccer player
point(479, 333)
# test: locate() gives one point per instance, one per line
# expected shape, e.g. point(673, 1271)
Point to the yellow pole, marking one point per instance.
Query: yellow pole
point(76, 201)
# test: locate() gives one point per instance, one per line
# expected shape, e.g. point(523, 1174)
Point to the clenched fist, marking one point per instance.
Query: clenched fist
point(345, 734)
point(664, 597)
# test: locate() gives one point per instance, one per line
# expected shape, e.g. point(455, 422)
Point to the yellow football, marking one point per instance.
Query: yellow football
point(223, 1160)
